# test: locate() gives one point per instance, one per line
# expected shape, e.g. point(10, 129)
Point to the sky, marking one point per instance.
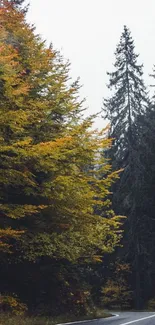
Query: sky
point(87, 32)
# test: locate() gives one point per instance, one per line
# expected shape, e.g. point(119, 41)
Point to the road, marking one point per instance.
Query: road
point(124, 318)
point(129, 318)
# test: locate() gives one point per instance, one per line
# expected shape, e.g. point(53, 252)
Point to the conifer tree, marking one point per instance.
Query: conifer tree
point(147, 145)
point(126, 110)
point(128, 101)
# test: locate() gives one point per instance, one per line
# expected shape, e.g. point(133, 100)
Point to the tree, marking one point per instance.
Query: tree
point(15, 3)
point(48, 193)
point(128, 101)
point(126, 111)
point(147, 201)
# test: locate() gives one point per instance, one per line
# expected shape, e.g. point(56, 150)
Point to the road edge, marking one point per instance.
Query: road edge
point(87, 320)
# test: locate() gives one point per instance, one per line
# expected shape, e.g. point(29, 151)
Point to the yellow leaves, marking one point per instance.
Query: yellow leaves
point(16, 119)
point(14, 86)
point(17, 178)
point(15, 211)
point(12, 304)
point(97, 258)
point(122, 268)
point(20, 89)
point(51, 147)
point(116, 293)
point(53, 168)
point(8, 232)
point(21, 144)
point(5, 236)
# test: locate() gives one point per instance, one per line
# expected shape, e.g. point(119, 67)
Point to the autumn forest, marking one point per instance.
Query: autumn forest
point(77, 210)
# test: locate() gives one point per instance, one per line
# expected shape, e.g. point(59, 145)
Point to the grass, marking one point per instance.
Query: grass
point(21, 320)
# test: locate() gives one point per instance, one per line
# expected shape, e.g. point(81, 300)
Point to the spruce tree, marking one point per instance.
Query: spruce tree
point(126, 109)
point(127, 102)
point(147, 145)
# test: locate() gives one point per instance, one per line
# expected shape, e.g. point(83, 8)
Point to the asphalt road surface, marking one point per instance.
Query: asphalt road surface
point(124, 318)
point(129, 318)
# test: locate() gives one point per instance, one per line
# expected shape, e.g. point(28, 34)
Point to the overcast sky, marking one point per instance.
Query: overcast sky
point(87, 31)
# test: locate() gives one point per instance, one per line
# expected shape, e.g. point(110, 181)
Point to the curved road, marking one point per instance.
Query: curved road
point(123, 318)
point(129, 318)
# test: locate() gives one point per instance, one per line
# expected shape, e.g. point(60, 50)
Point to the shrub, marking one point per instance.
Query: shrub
point(116, 295)
point(151, 304)
point(116, 292)
point(12, 305)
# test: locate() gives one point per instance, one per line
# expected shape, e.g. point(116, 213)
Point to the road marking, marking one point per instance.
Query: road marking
point(138, 320)
point(115, 315)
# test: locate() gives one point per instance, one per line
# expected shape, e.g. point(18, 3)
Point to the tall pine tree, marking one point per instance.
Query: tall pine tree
point(128, 100)
point(126, 109)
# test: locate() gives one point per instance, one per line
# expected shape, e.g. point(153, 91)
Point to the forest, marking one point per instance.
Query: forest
point(77, 210)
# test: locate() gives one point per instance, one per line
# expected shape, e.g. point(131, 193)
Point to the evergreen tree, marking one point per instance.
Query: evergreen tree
point(147, 145)
point(126, 111)
point(128, 100)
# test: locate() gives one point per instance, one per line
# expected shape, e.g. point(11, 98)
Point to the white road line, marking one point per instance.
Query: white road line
point(115, 315)
point(138, 320)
